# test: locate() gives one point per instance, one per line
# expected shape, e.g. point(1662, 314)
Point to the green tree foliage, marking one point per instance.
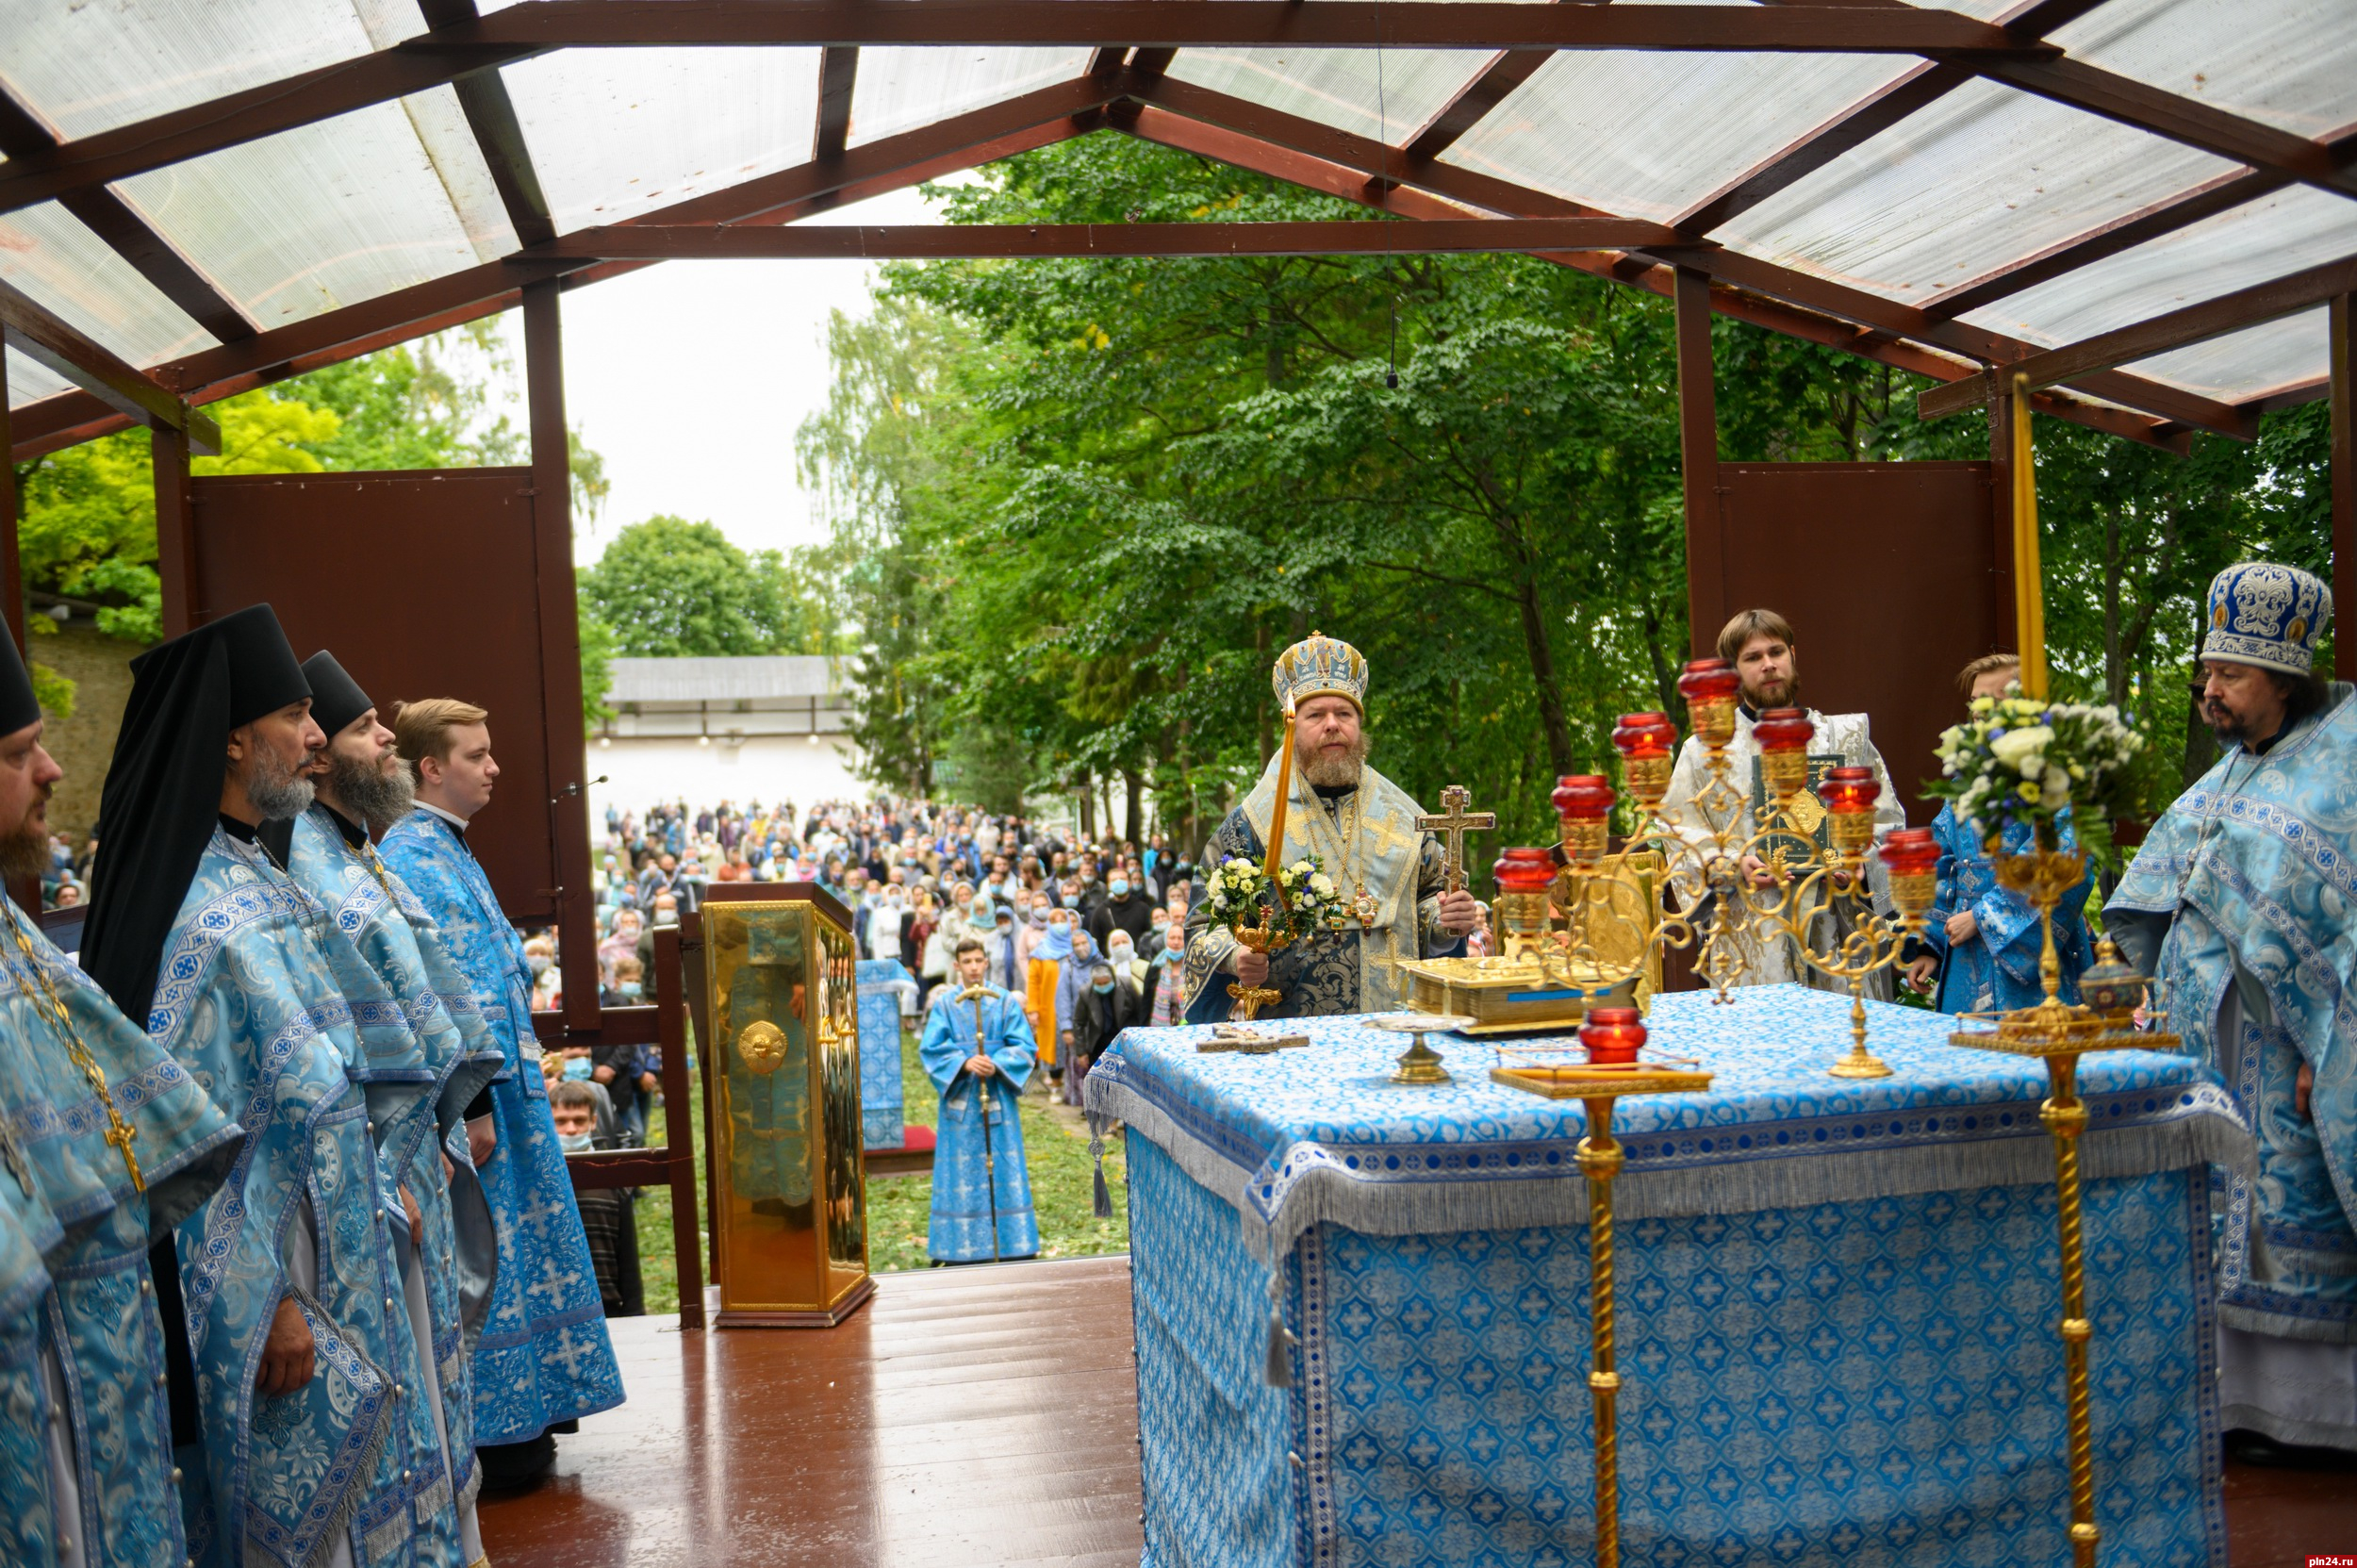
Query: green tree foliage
point(1077, 504)
point(667, 588)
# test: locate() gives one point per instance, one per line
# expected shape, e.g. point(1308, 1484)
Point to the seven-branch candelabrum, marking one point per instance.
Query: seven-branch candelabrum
point(1743, 885)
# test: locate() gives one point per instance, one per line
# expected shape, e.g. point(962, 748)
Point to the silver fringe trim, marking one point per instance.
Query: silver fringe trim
point(2257, 1320)
point(1378, 1208)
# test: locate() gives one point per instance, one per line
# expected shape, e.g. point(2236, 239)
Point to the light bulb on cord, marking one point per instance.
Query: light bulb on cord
point(703, 740)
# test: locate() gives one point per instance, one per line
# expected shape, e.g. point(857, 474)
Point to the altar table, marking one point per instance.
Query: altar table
point(1838, 1301)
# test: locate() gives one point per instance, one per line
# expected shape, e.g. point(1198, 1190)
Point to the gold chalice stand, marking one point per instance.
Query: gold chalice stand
point(1598, 1084)
point(1419, 1066)
point(2058, 1033)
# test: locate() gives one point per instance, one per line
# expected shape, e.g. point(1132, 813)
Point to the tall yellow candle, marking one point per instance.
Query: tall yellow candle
point(2029, 590)
point(1284, 795)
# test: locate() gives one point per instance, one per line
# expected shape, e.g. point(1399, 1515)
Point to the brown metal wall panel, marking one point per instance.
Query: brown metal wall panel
point(423, 585)
point(1888, 573)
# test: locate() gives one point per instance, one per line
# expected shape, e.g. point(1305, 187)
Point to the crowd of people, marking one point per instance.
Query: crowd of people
point(1092, 935)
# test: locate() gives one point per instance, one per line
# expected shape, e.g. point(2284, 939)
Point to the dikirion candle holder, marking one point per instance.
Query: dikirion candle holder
point(1611, 1041)
point(2059, 1033)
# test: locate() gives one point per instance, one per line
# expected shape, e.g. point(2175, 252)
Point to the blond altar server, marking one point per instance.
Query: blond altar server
point(1760, 643)
point(1362, 829)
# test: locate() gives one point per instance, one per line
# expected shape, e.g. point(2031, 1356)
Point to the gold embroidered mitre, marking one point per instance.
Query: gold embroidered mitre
point(1320, 667)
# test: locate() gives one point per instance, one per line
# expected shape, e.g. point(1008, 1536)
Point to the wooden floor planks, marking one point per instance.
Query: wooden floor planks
point(966, 1418)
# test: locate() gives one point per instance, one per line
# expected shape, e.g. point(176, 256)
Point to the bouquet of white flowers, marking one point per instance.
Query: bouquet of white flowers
point(1240, 894)
point(2022, 760)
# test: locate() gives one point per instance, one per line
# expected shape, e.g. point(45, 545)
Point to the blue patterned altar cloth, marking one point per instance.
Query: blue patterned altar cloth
point(881, 1109)
point(1837, 1329)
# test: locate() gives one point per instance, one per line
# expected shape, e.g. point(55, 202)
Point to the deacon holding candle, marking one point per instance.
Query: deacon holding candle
point(1390, 876)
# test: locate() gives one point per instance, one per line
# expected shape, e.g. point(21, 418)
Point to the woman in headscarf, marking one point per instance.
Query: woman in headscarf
point(622, 941)
point(1072, 983)
point(1166, 988)
point(1041, 948)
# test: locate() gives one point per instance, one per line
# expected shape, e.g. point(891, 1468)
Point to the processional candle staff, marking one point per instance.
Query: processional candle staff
point(1265, 937)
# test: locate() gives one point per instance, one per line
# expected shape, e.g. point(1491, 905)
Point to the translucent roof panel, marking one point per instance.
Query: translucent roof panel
point(2294, 228)
point(45, 252)
point(88, 68)
point(1591, 127)
point(1384, 93)
point(898, 89)
point(326, 215)
point(2251, 363)
point(1981, 178)
point(30, 383)
point(2292, 63)
point(615, 133)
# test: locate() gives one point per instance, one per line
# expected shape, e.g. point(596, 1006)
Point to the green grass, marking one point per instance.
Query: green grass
point(1055, 1152)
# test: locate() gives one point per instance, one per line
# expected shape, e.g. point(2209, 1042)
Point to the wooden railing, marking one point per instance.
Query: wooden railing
point(664, 1024)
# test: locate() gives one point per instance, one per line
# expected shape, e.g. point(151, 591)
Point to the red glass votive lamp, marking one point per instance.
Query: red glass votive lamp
point(1710, 687)
point(1648, 743)
point(1783, 735)
point(1583, 803)
point(1912, 858)
point(1849, 795)
point(1523, 877)
point(1612, 1035)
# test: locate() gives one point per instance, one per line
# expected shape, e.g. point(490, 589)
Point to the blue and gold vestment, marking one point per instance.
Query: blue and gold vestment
point(965, 1184)
point(431, 1056)
point(95, 1309)
point(544, 1356)
point(1996, 969)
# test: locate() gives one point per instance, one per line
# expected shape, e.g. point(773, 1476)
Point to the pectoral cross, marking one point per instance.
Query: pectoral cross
point(1453, 824)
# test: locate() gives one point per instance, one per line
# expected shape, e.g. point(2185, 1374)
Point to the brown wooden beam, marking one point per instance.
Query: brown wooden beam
point(124, 232)
point(931, 242)
point(2341, 330)
point(2207, 200)
point(560, 649)
point(34, 331)
point(498, 134)
point(838, 76)
point(1853, 126)
point(1483, 24)
point(1194, 136)
point(1698, 458)
point(175, 529)
point(1765, 278)
point(2315, 390)
point(238, 118)
point(11, 567)
point(2195, 323)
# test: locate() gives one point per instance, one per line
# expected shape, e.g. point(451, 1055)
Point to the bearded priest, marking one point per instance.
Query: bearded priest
point(1388, 872)
point(291, 1286)
point(443, 1056)
point(1761, 645)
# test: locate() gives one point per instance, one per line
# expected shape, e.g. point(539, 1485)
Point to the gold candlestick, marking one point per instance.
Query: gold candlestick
point(1597, 1086)
point(2059, 1033)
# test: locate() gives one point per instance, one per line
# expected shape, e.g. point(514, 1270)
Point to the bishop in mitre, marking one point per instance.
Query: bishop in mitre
point(1362, 827)
point(1761, 645)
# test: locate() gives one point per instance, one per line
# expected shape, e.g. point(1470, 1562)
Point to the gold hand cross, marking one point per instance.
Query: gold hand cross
point(1453, 823)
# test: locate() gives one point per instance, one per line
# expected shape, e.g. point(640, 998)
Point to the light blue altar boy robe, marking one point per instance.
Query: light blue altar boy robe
point(98, 1411)
point(425, 1064)
point(963, 1181)
point(247, 998)
point(1997, 969)
point(544, 1356)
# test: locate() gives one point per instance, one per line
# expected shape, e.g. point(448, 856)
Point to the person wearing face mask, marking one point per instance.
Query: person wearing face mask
point(622, 941)
point(1099, 1013)
point(1046, 943)
point(1166, 985)
point(1126, 908)
point(609, 1216)
point(999, 946)
point(1072, 983)
point(1122, 953)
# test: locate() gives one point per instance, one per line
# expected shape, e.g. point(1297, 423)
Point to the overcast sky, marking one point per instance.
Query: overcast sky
point(691, 378)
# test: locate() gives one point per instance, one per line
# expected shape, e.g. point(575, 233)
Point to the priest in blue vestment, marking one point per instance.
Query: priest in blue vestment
point(979, 1051)
point(447, 1056)
point(1982, 944)
point(2239, 903)
point(543, 1360)
point(107, 1141)
point(305, 1362)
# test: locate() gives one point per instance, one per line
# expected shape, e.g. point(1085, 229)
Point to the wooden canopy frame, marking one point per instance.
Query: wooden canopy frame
point(1125, 89)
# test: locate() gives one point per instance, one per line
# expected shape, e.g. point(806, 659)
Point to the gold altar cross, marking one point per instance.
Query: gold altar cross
point(1453, 824)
